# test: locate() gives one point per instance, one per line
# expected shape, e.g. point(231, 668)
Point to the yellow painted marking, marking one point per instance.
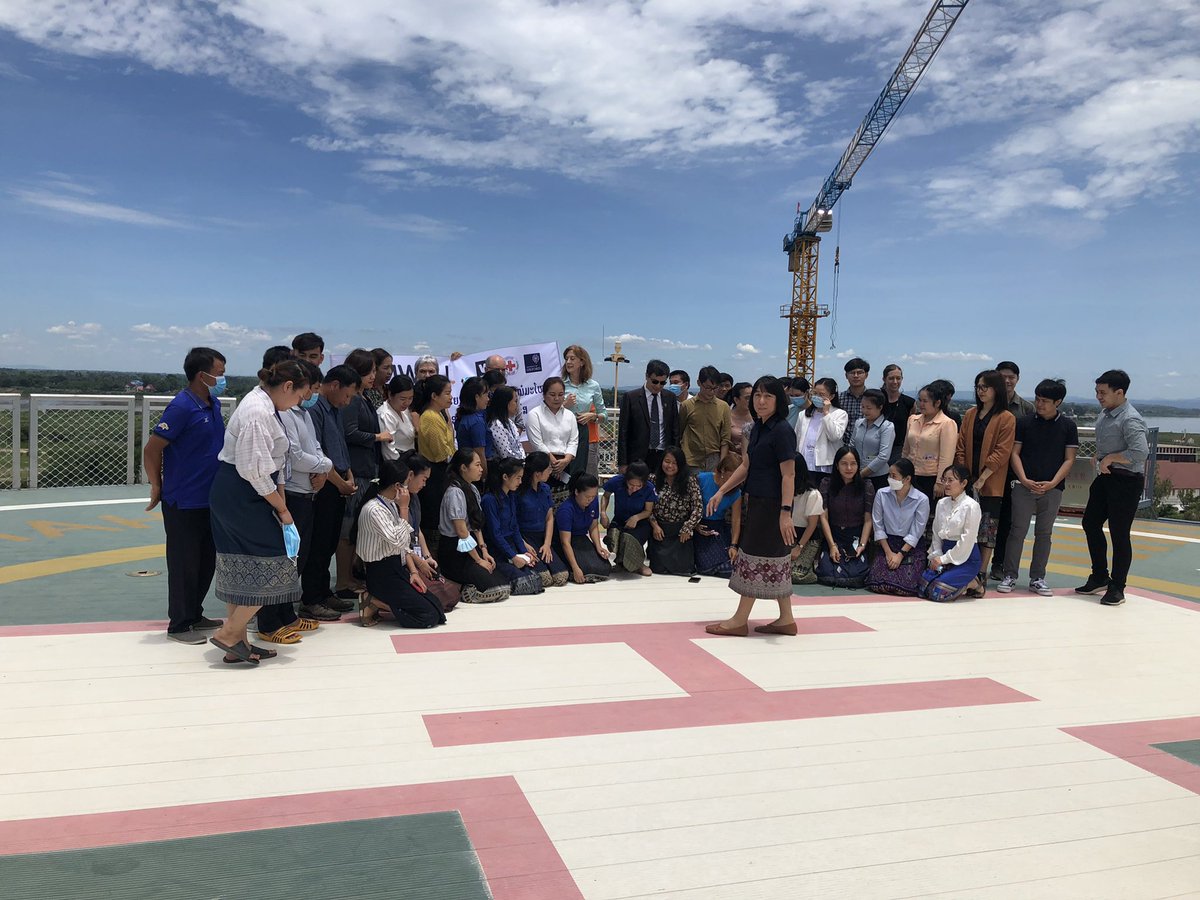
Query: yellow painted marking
point(49, 529)
point(13, 537)
point(63, 564)
point(1134, 581)
point(128, 523)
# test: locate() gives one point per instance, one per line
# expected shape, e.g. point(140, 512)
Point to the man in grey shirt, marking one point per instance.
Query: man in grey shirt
point(1121, 451)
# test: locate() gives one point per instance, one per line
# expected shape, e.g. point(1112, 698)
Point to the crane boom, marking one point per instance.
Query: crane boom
point(801, 244)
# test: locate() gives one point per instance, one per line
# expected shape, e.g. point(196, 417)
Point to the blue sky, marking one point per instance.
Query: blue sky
point(464, 175)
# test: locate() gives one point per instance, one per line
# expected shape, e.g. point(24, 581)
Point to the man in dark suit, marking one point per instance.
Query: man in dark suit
point(649, 420)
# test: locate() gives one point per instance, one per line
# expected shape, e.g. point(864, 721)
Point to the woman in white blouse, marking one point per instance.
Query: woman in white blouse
point(954, 564)
point(256, 539)
point(819, 429)
point(394, 417)
point(384, 544)
point(555, 431)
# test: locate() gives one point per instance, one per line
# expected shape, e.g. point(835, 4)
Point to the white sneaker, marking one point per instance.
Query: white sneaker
point(1006, 586)
point(1039, 586)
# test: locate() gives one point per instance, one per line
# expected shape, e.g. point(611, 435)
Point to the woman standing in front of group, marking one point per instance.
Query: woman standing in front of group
point(256, 539)
point(585, 400)
point(763, 567)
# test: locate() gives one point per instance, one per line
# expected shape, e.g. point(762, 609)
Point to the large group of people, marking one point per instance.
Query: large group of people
point(357, 487)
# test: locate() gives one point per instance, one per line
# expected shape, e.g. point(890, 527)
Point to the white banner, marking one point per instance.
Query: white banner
point(525, 368)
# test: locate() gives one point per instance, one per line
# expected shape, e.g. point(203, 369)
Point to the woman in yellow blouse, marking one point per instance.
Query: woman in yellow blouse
point(435, 442)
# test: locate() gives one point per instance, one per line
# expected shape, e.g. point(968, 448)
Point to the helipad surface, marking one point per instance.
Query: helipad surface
point(593, 741)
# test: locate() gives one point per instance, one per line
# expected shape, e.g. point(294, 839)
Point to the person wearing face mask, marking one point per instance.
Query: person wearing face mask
point(180, 462)
point(255, 538)
point(797, 394)
point(819, 429)
point(898, 519)
point(679, 383)
point(383, 540)
point(308, 469)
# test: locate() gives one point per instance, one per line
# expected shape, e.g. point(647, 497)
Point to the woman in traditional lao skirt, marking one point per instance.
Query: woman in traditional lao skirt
point(899, 516)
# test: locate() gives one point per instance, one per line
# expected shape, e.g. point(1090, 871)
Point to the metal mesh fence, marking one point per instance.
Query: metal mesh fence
point(75, 441)
point(10, 441)
point(607, 447)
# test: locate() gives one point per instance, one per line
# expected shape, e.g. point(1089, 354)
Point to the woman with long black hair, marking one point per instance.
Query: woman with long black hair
point(435, 442)
point(384, 542)
point(516, 560)
point(462, 549)
point(677, 512)
point(849, 499)
point(535, 515)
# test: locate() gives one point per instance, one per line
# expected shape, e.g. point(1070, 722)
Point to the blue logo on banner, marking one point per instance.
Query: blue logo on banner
point(533, 362)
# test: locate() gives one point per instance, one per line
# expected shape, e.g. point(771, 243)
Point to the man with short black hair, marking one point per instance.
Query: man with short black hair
point(309, 347)
point(329, 506)
point(857, 370)
point(1042, 456)
point(679, 383)
point(1121, 452)
point(180, 462)
point(1011, 373)
point(724, 386)
point(649, 420)
point(705, 424)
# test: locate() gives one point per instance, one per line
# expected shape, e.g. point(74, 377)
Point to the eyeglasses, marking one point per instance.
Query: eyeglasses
point(982, 387)
point(658, 381)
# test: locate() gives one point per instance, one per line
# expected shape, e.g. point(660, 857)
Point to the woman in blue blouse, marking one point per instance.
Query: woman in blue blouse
point(535, 515)
point(578, 522)
point(633, 504)
point(714, 534)
point(516, 560)
point(470, 430)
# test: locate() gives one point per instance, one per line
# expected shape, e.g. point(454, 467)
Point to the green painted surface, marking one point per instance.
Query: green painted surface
point(420, 857)
point(1188, 751)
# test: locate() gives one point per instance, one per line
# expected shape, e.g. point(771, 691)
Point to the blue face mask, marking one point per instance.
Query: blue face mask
point(674, 389)
point(818, 402)
point(798, 402)
point(310, 402)
point(217, 389)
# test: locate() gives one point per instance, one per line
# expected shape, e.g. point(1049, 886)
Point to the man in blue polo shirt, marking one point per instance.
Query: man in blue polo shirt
point(180, 461)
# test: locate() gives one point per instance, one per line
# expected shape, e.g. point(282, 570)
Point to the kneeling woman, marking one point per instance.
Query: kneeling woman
point(677, 512)
point(384, 542)
point(462, 552)
point(899, 516)
point(578, 521)
point(633, 499)
point(714, 534)
point(535, 515)
point(955, 562)
point(516, 560)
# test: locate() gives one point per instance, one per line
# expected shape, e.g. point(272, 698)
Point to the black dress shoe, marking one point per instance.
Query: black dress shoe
point(1114, 596)
point(1094, 585)
point(339, 605)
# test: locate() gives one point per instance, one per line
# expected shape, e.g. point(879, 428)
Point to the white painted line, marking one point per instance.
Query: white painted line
point(1145, 534)
point(141, 500)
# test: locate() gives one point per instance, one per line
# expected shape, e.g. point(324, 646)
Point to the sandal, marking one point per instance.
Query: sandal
point(368, 615)
point(284, 635)
point(263, 652)
point(305, 624)
point(241, 651)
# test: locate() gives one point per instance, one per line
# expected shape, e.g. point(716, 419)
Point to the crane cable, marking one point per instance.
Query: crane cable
point(837, 273)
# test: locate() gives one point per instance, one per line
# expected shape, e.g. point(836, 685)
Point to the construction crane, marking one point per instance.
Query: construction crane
point(802, 244)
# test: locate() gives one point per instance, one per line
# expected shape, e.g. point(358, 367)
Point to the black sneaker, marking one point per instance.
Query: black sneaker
point(319, 612)
point(187, 637)
point(204, 623)
point(1114, 596)
point(339, 604)
point(1094, 585)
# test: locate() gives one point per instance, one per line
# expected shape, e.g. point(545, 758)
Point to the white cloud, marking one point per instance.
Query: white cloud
point(658, 343)
point(928, 356)
point(215, 334)
point(93, 209)
point(75, 332)
point(747, 348)
point(421, 346)
point(846, 354)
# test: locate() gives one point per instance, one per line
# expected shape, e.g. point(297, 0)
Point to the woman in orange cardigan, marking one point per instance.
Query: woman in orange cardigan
point(985, 443)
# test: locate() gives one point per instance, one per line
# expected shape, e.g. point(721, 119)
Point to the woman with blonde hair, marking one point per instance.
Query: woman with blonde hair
point(585, 400)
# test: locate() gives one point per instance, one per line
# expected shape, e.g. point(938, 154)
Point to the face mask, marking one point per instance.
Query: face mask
point(818, 402)
point(798, 402)
point(219, 388)
point(674, 389)
point(896, 484)
point(310, 402)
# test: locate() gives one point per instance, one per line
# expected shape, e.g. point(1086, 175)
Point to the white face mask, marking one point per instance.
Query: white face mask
point(896, 484)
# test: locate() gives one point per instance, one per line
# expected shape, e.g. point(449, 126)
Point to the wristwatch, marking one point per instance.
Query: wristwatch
point(787, 507)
